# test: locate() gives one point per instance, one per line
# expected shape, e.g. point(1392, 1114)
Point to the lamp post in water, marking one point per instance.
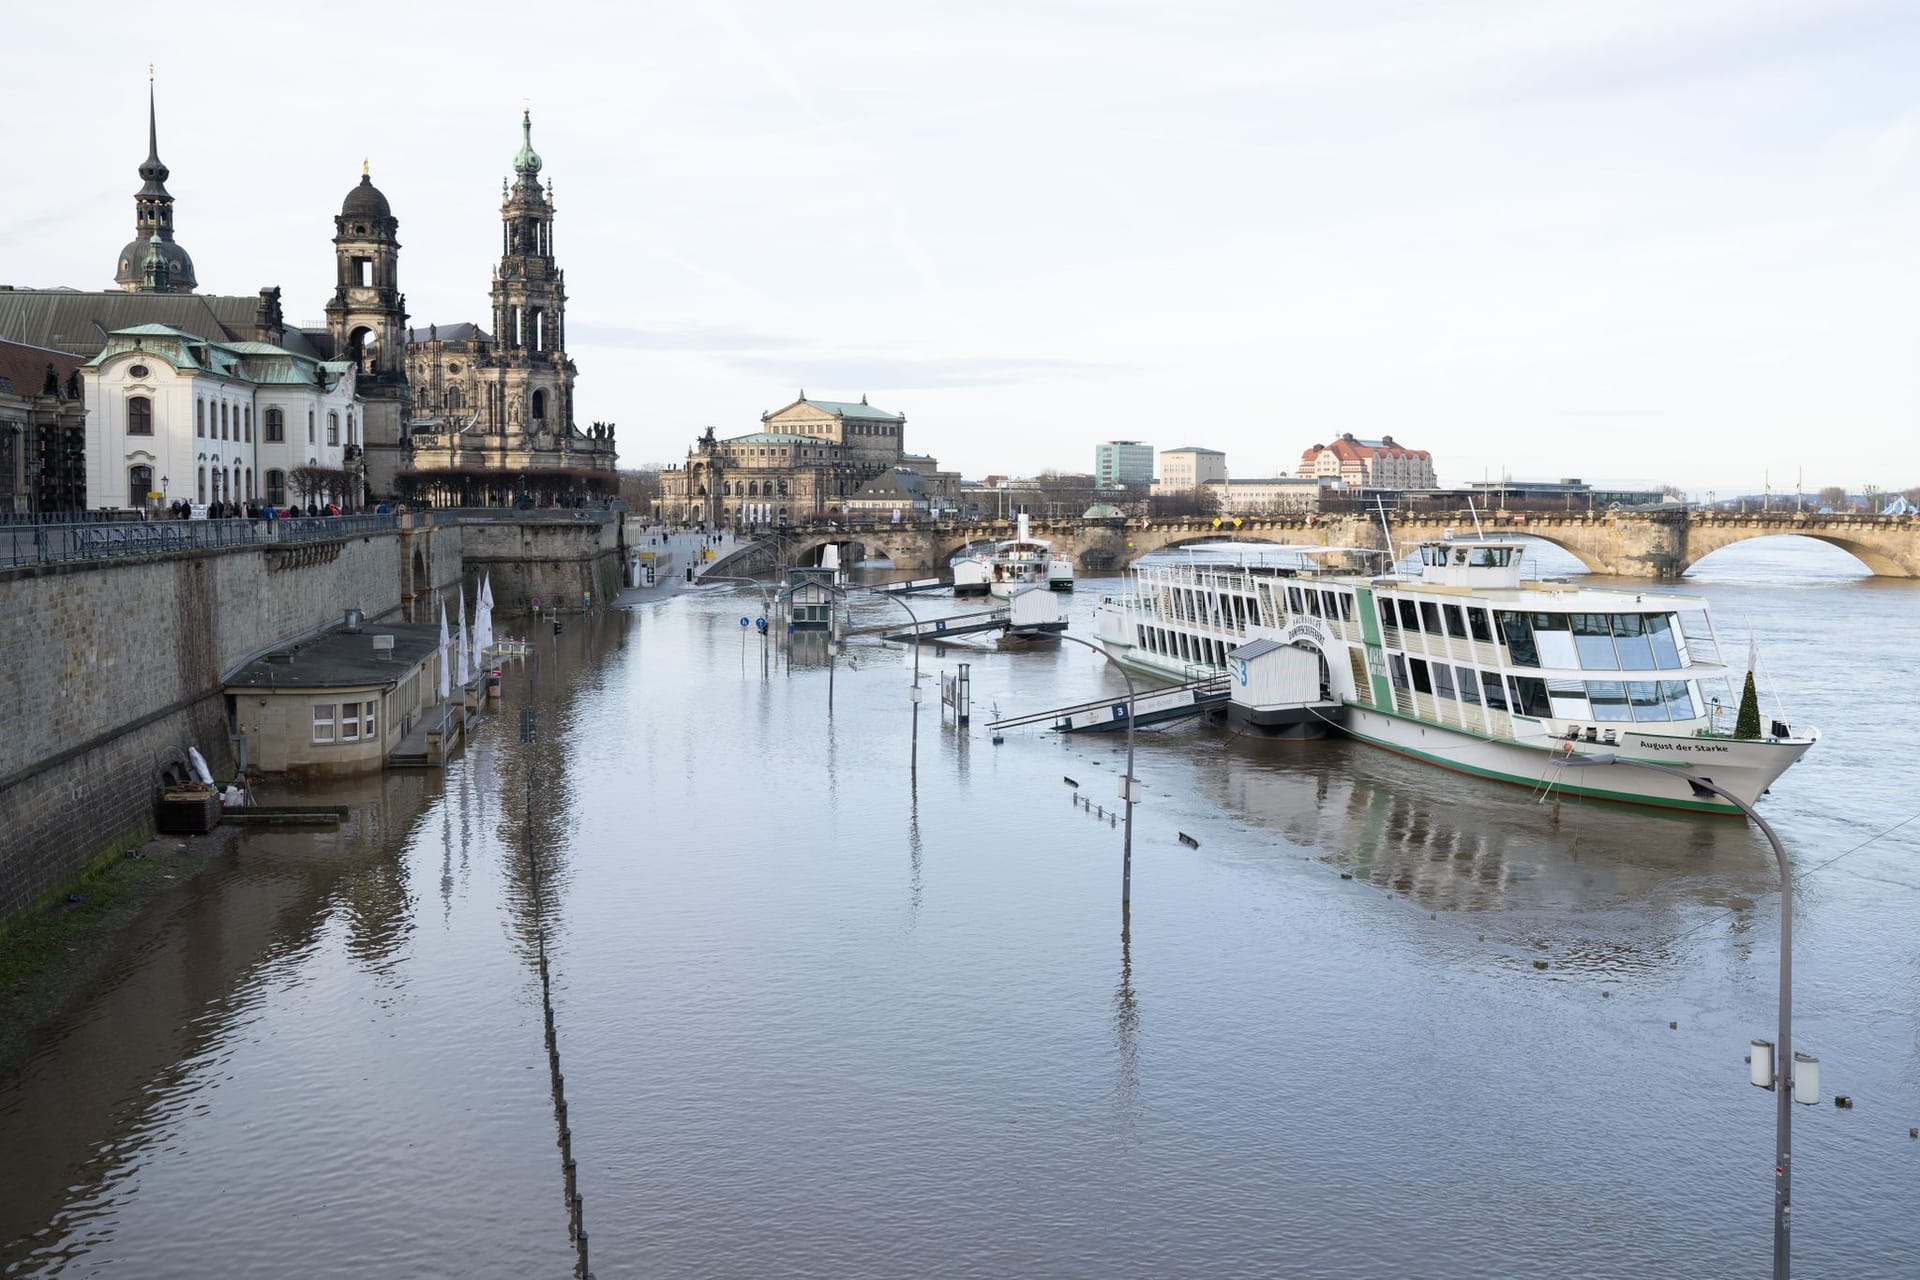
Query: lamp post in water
point(1128, 787)
point(1793, 1078)
point(913, 756)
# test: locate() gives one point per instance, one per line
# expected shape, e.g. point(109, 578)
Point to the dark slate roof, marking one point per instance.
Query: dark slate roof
point(1256, 648)
point(366, 201)
point(461, 331)
point(340, 659)
point(25, 366)
point(78, 323)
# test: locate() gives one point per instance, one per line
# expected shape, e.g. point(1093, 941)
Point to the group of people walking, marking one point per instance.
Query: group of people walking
point(249, 511)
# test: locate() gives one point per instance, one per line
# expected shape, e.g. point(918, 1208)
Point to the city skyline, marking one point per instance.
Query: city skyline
point(1608, 241)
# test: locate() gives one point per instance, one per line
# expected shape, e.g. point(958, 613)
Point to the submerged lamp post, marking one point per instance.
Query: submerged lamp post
point(913, 752)
point(1129, 787)
point(1793, 1077)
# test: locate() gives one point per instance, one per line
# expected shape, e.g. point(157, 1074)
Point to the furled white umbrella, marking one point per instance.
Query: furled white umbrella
point(446, 676)
point(460, 643)
point(483, 620)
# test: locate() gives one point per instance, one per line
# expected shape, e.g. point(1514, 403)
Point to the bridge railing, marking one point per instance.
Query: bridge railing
point(137, 539)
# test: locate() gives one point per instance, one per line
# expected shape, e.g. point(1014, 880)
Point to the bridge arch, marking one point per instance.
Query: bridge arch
point(1879, 560)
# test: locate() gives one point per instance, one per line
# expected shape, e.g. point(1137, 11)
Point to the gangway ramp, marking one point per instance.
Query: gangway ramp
point(1107, 715)
point(954, 624)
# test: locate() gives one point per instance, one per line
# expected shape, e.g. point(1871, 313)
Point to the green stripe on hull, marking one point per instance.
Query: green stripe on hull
point(1535, 784)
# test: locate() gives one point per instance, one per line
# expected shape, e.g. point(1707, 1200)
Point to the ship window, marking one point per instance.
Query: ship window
point(1554, 640)
point(1569, 699)
point(1430, 617)
point(1478, 625)
point(1648, 704)
point(1456, 621)
point(1666, 648)
point(1409, 616)
point(1469, 686)
point(1519, 636)
point(1609, 699)
point(1530, 696)
point(1594, 639)
point(1294, 602)
point(1313, 603)
point(1443, 679)
point(1631, 642)
point(1679, 705)
point(1495, 690)
point(1397, 665)
point(1387, 619)
point(1346, 607)
point(1417, 667)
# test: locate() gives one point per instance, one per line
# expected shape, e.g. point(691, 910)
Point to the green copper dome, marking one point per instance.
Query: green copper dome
point(526, 161)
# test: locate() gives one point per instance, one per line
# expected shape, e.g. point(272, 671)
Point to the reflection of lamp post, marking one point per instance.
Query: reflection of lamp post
point(1779, 1074)
point(1128, 788)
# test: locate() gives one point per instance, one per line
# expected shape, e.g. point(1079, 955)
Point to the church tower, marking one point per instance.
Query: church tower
point(153, 216)
point(367, 318)
point(533, 393)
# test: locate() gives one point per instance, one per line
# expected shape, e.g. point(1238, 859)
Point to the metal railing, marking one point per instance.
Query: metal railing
point(133, 539)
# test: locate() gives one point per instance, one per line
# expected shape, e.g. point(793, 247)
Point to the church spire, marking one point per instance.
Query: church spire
point(153, 220)
point(526, 161)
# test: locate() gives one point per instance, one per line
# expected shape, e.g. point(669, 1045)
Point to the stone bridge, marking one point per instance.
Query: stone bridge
point(1630, 544)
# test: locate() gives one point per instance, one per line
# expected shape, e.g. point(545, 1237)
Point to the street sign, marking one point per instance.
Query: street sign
point(746, 622)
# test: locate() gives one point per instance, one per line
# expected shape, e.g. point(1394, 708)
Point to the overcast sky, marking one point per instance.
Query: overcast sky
point(1633, 240)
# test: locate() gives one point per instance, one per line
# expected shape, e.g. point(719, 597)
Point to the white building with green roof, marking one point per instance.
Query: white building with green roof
point(172, 415)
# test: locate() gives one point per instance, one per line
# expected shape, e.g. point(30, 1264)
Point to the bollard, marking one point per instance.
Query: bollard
point(581, 1240)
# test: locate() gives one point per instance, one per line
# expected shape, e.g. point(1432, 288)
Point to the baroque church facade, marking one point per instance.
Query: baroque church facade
point(493, 420)
point(393, 438)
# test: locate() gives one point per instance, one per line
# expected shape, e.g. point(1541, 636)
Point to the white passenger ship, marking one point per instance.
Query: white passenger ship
point(1021, 561)
point(1470, 664)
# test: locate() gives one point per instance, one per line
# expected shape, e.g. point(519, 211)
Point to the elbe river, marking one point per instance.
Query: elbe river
point(821, 1018)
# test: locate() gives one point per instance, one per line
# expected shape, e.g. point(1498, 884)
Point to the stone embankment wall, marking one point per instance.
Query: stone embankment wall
point(115, 669)
point(554, 561)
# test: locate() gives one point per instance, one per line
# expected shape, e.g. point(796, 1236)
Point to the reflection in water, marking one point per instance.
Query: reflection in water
point(913, 864)
point(1126, 1038)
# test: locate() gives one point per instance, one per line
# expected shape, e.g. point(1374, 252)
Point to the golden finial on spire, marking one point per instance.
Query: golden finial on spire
point(149, 73)
point(363, 167)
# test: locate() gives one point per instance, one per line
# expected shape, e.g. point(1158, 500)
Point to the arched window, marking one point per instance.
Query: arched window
point(248, 438)
point(753, 488)
point(277, 488)
point(200, 489)
point(139, 416)
point(276, 425)
point(351, 438)
point(539, 406)
point(456, 398)
point(309, 426)
point(249, 483)
point(200, 417)
point(333, 428)
point(139, 482)
point(726, 488)
point(223, 419)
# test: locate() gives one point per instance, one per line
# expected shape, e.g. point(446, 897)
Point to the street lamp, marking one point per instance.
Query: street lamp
point(1780, 1074)
point(1129, 788)
point(913, 752)
point(163, 489)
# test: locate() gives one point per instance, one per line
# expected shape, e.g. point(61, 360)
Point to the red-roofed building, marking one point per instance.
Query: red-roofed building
point(1368, 464)
point(43, 431)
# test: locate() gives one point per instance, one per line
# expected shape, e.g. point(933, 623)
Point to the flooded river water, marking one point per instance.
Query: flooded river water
point(820, 1017)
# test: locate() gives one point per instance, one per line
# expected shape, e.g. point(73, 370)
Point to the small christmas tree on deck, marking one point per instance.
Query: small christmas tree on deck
point(1748, 725)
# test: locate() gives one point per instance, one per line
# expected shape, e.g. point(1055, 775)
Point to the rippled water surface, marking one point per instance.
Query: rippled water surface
point(822, 1017)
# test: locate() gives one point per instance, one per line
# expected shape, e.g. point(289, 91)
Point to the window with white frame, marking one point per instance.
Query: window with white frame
point(323, 722)
point(349, 722)
point(369, 722)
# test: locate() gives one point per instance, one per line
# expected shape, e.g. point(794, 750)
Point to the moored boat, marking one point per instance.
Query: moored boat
point(1025, 561)
point(1469, 664)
